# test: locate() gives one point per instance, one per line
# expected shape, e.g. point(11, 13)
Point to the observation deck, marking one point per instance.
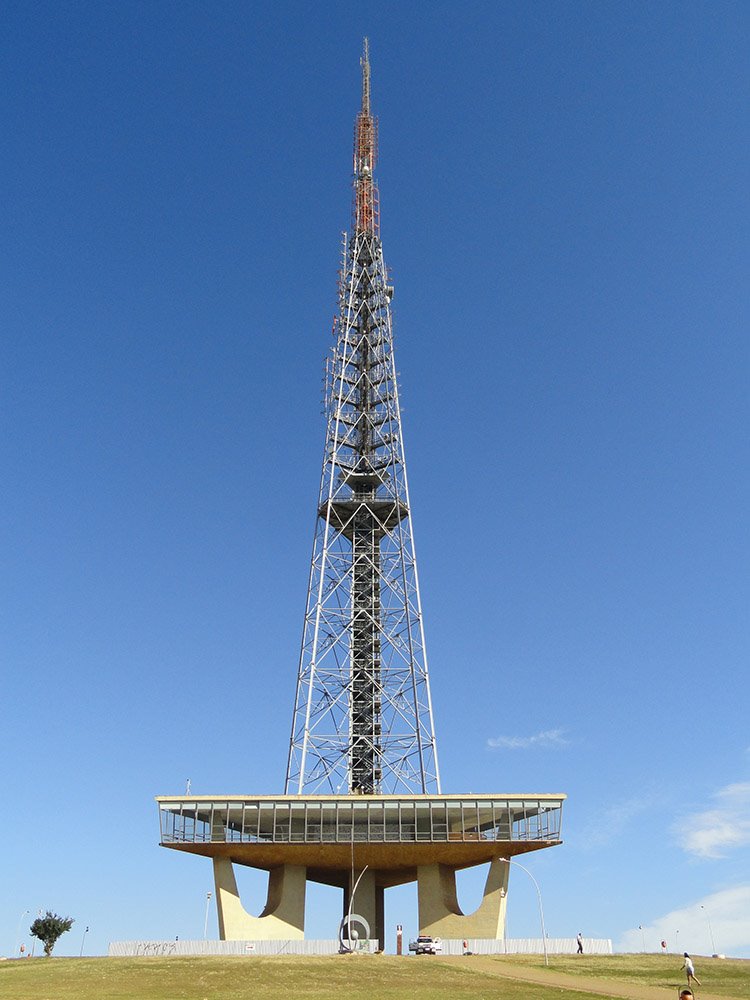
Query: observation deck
point(391, 834)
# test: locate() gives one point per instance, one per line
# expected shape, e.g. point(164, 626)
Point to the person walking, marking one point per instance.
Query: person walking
point(689, 968)
point(579, 941)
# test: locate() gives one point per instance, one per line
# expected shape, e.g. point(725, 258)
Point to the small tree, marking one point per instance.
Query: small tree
point(49, 928)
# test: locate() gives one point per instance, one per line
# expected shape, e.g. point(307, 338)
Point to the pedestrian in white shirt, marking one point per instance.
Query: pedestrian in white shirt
point(689, 968)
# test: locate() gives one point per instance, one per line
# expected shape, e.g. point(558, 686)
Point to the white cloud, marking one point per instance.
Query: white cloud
point(549, 738)
point(725, 915)
point(714, 832)
point(614, 819)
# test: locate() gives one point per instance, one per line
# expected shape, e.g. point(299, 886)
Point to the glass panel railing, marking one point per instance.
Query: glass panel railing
point(327, 821)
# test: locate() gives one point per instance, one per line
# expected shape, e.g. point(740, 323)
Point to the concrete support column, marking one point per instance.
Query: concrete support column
point(283, 917)
point(369, 902)
point(439, 912)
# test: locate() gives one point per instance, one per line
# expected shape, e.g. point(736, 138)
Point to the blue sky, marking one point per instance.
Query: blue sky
point(565, 213)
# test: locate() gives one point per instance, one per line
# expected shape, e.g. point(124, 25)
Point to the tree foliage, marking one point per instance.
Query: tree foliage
point(49, 928)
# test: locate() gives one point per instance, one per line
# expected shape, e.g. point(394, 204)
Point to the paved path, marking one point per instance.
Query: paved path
point(579, 984)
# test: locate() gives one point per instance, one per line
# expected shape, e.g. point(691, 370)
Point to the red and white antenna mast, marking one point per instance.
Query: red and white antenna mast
point(365, 154)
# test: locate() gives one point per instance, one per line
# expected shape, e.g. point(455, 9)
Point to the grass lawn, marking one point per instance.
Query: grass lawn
point(349, 977)
point(724, 977)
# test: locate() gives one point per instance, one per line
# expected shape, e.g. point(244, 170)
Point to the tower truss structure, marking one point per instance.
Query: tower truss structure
point(362, 809)
point(363, 720)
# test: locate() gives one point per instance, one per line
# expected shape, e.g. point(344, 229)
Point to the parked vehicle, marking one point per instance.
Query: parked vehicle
point(425, 945)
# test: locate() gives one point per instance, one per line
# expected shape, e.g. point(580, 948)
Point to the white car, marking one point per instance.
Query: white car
point(425, 945)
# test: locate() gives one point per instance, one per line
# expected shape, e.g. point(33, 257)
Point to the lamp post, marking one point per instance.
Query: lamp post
point(539, 897)
point(40, 914)
point(710, 931)
point(205, 922)
point(18, 933)
point(677, 941)
point(85, 932)
point(643, 936)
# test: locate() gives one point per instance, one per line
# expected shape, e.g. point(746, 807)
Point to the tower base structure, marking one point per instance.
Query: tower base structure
point(283, 917)
point(364, 844)
point(439, 912)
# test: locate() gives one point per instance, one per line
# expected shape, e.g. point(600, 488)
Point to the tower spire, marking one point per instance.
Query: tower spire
point(363, 714)
point(365, 153)
point(364, 62)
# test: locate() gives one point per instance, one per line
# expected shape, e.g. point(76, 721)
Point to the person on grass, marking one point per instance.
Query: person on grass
point(689, 968)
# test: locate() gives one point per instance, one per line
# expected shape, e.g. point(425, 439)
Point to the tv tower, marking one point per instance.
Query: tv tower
point(362, 807)
point(363, 715)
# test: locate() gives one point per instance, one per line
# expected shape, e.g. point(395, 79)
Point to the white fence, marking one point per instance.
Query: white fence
point(526, 946)
point(163, 949)
point(451, 946)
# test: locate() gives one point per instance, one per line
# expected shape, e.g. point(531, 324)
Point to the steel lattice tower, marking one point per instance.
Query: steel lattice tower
point(363, 715)
point(362, 808)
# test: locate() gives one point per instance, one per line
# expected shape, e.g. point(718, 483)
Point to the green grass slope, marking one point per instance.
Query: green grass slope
point(349, 977)
point(719, 977)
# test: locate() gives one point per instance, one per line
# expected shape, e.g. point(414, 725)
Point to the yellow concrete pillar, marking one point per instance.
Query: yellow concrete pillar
point(439, 912)
point(283, 917)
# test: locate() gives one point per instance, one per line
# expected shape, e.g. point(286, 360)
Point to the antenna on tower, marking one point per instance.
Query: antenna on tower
point(365, 153)
point(364, 62)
